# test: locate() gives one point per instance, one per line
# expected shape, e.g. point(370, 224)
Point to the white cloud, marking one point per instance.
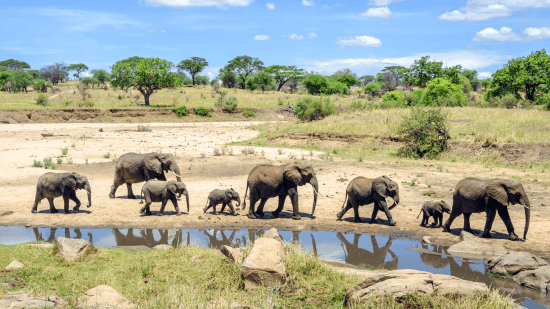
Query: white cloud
point(76, 20)
point(502, 35)
point(477, 13)
point(294, 36)
point(262, 37)
point(192, 3)
point(360, 41)
point(381, 12)
point(308, 3)
point(312, 36)
point(514, 4)
point(86, 74)
point(270, 6)
point(537, 33)
point(484, 75)
point(154, 31)
point(383, 2)
point(337, 5)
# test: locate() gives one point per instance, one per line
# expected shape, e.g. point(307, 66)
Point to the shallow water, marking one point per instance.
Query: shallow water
point(358, 249)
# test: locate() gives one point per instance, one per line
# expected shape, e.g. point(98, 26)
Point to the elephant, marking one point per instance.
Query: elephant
point(147, 238)
point(267, 181)
point(434, 209)
point(473, 195)
point(362, 191)
point(52, 185)
point(222, 197)
point(135, 168)
point(356, 255)
point(8, 87)
point(162, 191)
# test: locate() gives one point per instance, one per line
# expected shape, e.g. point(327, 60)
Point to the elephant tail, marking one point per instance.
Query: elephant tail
point(419, 214)
point(141, 193)
point(245, 195)
point(345, 199)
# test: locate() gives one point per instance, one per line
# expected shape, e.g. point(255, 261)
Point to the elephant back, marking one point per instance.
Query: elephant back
point(266, 174)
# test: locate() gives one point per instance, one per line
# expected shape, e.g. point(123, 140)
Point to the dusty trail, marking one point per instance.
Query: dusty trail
point(22, 143)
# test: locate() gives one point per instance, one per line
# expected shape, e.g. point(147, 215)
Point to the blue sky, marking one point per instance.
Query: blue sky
point(318, 35)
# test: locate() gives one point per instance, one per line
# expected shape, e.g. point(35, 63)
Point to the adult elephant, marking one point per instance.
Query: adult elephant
point(362, 191)
point(52, 185)
point(474, 195)
point(135, 168)
point(267, 181)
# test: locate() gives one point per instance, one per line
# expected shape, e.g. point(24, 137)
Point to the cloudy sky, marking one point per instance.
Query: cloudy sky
point(319, 35)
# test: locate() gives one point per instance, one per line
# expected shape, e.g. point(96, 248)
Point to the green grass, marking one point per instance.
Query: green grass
point(166, 279)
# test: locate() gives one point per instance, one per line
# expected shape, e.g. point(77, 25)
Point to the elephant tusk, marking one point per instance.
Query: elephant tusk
point(176, 175)
point(317, 191)
point(528, 207)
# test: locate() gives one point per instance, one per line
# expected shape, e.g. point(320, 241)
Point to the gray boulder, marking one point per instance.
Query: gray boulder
point(22, 300)
point(427, 240)
point(514, 262)
point(466, 235)
point(15, 265)
point(74, 249)
point(264, 265)
point(538, 279)
point(234, 254)
point(476, 249)
point(163, 247)
point(273, 233)
point(104, 297)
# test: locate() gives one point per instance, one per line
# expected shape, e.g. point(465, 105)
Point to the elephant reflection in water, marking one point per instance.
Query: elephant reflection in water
point(214, 242)
point(51, 237)
point(355, 255)
point(147, 238)
point(296, 241)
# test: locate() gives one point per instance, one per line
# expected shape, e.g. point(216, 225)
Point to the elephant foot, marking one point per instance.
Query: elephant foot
point(275, 214)
point(148, 213)
point(132, 197)
point(66, 212)
point(296, 217)
point(513, 236)
point(76, 208)
point(216, 213)
point(178, 213)
point(252, 216)
point(260, 214)
point(34, 210)
point(234, 214)
point(339, 217)
point(372, 221)
point(53, 210)
point(445, 228)
point(487, 235)
point(160, 214)
point(469, 231)
point(392, 223)
point(423, 225)
point(111, 195)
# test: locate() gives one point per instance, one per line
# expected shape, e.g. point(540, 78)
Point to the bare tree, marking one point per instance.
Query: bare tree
point(54, 72)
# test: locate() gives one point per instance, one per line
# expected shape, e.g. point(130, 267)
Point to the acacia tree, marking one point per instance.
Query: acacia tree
point(54, 72)
point(422, 71)
point(282, 74)
point(101, 75)
point(20, 80)
point(194, 66)
point(13, 65)
point(146, 76)
point(367, 79)
point(348, 80)
point(243, 67)
point(79, 68)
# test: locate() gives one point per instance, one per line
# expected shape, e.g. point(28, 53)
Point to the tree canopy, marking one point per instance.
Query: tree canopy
point(244, 66)
point(101, 75)
point(282, 74)
point(194, 66)
point(79, 68)
point(12, 64)
point(54, 72)
point(260, 80)
point(348, 80)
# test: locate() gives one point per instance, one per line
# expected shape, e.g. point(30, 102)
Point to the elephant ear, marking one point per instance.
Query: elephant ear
point(69, 181)
point(379, 185)
point(172, 187)
point(292, 173)
point(152, 163)
point(438, 207)
point(229, 194)
point(498, 191)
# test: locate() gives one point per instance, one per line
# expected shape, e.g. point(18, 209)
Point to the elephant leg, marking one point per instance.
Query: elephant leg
point(455, 212)
point(344, 210)
point(260, 209)
point(37, 200)
point(208, 206)
point(467, 227)
point(425, 217)
point(280, 207)
point(232, 209)
point(145, 210)
point(491, 213)
point(175, 203)
point(438, 217)
point(221, 210)
point(116, 183)
point(253, 200)
point(76, 200)
point(162, 206)
point(66, 204)
point(374, 213)
point(52, 207)
point(384, 207)
point(293, 193)
point(223, 207)
point(505, 216)
point(130, 191)
point(355, 206)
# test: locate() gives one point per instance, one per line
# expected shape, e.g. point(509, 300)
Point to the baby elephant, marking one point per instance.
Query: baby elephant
point(162, 191)
point(222, 197)
point(52, 185)
point(434, 209)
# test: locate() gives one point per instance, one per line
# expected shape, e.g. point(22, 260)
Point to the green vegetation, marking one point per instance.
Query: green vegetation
point(242, 68)
point(261, 80)
point(181, 111)
point(64, 151)
point(202, 111)
point(372, 88)
point(37, 163)
point(79, 68)
point(310, 108)
point(42, 99)
point(248, 112)
point(48, 164)
point(423, 133)
point(193, 66)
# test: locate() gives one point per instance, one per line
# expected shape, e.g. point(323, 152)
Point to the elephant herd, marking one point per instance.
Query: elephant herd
point(266, 181)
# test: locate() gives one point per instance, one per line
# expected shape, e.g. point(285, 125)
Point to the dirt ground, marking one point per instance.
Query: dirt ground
point(88, 147)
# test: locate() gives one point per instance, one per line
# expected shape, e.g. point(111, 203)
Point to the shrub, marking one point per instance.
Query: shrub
point(202, 111)
point(261, 80)
point(423, 133)
point(248, 112)
point(42, 99)
point(372, 88)
point(66, 103)
point(441, 92)
point(546, 101)
point(181, 111)
point(37, 163)
point(48, 163)
point(86, 103)
point(348, 80)
point(228, 104)
point(358, 105)
point(315, 84)
point(506, 101)
point(308, 109)
point(334, 87)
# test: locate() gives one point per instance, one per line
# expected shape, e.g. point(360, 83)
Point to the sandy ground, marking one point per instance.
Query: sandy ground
point(87, 147)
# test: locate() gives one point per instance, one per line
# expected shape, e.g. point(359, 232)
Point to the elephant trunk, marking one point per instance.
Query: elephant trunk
point(238, 201)
point(89, 189)
point(527, 206)
point(395, 201)
point(187, 199)
point(315, 186)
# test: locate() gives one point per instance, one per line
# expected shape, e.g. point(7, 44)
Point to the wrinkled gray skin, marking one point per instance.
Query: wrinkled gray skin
point(222, 197)
point(267, 181)
point(52, 185)
point(363, 191)
point(434, 209)
point(135, 168)
point(162, 191)
point(473, 195)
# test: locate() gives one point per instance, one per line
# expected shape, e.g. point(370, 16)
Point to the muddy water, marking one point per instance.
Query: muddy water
point(357, 249)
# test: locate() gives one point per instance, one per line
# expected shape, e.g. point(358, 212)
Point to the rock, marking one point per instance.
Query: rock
point(195, 259)
point(103, 296)
point(264, 265)
point(273, 233)
point(427, 240)
point(15, 265)
point(74, 249)
point(234, 254)
point(538, 279)
point(475, 248)
point(22, 300)
point(32, 303)
point(466, 235)
point(43, 246)
point(163, 247)
point(514, 262)
point(401, 282)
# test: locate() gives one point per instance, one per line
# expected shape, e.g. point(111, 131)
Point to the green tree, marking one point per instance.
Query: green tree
point(194, 66)
point(132, 60)
point(371, 88)
point(14, 65)
point(34, 73)
point(243, 67)
point(453, 74)
point(486, 82)
point(260, 80)
point(228, 78)
point(79, 68)
point(101, 75)
point(4, 77)
point(202, 80)
point(315, 84)
point(54, 72)
point(184, 79)
point(146, 76)
point(20, 80)
point(442, 91)
point(348, 80)
point(282, 74)
point(366, 79)
point(87, 81)
point(422, 71)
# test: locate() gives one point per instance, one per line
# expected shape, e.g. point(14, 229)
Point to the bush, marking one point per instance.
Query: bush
point(48, 163)
point(358, 105)
point(413, 98)
point(202, 111)
point(248, 112)
point(348, 80)
point(393, 99)
point(42, 99)
point(441, 92)
point(507, 101)
point(181, 111)
point(372, 88)
point(86, 103)
point(546, 101)
point(315, 84)
point(423, 133)
point(334, 87)
point(228, 104)
point(308, 109)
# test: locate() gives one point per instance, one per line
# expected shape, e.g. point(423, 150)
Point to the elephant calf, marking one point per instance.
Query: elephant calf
point(52, 185)
point(162, 191)
point(434, 209)
point(222, 197)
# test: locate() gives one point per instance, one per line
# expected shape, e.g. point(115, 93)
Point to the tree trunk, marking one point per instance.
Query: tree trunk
point(146, 96)
point(193, 78)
